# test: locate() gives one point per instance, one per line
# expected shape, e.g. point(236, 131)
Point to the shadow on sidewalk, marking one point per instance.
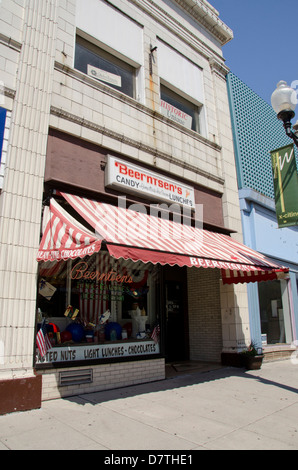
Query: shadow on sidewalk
point(182, 378)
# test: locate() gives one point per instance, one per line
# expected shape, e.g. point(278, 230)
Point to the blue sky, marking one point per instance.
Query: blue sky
point(264, 49)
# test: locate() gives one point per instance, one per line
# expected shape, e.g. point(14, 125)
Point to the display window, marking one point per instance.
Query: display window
point(97, 308)
point(275, 312)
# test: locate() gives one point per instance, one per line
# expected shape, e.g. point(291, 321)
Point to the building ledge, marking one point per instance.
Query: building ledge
point(278, 352)
point(247, 195)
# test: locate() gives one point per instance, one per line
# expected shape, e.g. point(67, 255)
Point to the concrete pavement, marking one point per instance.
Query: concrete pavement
point(227, 408)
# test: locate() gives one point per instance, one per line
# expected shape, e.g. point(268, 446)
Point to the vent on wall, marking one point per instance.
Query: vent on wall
point(75, 377)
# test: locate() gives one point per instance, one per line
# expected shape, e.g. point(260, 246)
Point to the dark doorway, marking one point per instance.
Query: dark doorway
point(176, 318)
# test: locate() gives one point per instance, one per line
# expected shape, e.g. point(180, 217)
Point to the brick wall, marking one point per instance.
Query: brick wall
point(205, 328)
point(105, 377)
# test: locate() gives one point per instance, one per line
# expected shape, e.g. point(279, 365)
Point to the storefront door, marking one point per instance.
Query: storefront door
point(176, 321)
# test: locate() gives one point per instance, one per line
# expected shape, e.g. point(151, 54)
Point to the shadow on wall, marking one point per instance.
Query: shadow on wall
point(236, 333)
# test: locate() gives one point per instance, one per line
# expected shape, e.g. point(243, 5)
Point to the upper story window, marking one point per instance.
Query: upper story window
point(105, 67)
point(181, 88)
point(178, 109)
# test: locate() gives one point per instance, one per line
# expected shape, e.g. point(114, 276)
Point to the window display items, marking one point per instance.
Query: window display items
point(89, 336)
point(139, 320)
point(52, 331)
point(104, 317)
point(71, 313)
point(113, 331)
point(46, 289)
point(77, 332)
point(128, 328)
point(65, 336)
point(116, 301)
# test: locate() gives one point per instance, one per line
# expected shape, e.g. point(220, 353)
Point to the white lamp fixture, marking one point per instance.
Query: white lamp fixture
point(283, 98)
point(284, 101)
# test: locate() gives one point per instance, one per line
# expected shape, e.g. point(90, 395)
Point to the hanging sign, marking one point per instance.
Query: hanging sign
point(285, 185)
point(46, 289)
point(130, 178)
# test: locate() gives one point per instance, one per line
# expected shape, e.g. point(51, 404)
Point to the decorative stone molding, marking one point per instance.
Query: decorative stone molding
point(207, 16)
point(218, 68)
point(8, 92)
point(76, 74)
point(10, 42)
point(200, 11)
point(135, 144)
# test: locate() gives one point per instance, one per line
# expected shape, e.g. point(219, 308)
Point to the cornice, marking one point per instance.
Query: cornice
point(162, 16)
point(207, 16)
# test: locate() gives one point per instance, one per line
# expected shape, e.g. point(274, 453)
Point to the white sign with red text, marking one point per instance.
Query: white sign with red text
point(175, 114)
point(130, 178)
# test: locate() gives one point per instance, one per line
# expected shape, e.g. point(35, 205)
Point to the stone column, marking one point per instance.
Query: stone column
point(21, 197)
point(234, 302)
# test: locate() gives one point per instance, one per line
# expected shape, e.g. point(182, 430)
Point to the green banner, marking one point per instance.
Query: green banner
point(285, 185)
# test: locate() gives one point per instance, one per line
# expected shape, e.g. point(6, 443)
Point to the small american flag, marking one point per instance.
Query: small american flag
point(155, 334)
point(42, 340)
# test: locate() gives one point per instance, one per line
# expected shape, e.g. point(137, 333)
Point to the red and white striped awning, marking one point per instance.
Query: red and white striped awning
point(137, 236)
point(64, 237)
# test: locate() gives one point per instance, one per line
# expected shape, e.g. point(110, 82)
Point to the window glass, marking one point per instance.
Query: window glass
point(97, 300)
point(274, 311)
point(179, 109)
point(104, 67)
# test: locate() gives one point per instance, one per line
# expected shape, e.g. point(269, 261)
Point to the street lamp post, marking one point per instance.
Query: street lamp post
point(284, 100)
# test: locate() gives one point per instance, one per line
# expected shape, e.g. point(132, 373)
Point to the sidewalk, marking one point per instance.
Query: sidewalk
point(227, 408)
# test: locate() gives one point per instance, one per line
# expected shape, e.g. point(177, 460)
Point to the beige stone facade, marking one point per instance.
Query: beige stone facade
point(41, 90)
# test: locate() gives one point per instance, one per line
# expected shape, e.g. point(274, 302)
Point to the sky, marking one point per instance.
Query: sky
point(264, 49)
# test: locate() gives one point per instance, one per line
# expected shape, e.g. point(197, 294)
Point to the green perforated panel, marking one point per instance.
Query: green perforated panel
point(256, 131)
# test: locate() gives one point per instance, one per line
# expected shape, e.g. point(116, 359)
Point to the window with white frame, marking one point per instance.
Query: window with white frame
point(181, 88)
point(178, 109)
point(105, 67)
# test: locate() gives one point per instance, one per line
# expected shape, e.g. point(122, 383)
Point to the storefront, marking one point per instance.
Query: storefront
point(113, 271)
point(274, 305)
point(111, 312)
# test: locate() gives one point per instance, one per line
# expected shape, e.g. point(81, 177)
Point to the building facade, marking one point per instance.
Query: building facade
point(273, 306)
point(109, 107)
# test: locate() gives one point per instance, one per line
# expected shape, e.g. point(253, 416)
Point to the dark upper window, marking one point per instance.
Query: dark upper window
point(179, 109)
point(104, 67)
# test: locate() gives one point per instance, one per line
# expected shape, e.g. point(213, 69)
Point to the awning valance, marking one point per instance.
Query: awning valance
point(64, 237)
point(137, 236)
